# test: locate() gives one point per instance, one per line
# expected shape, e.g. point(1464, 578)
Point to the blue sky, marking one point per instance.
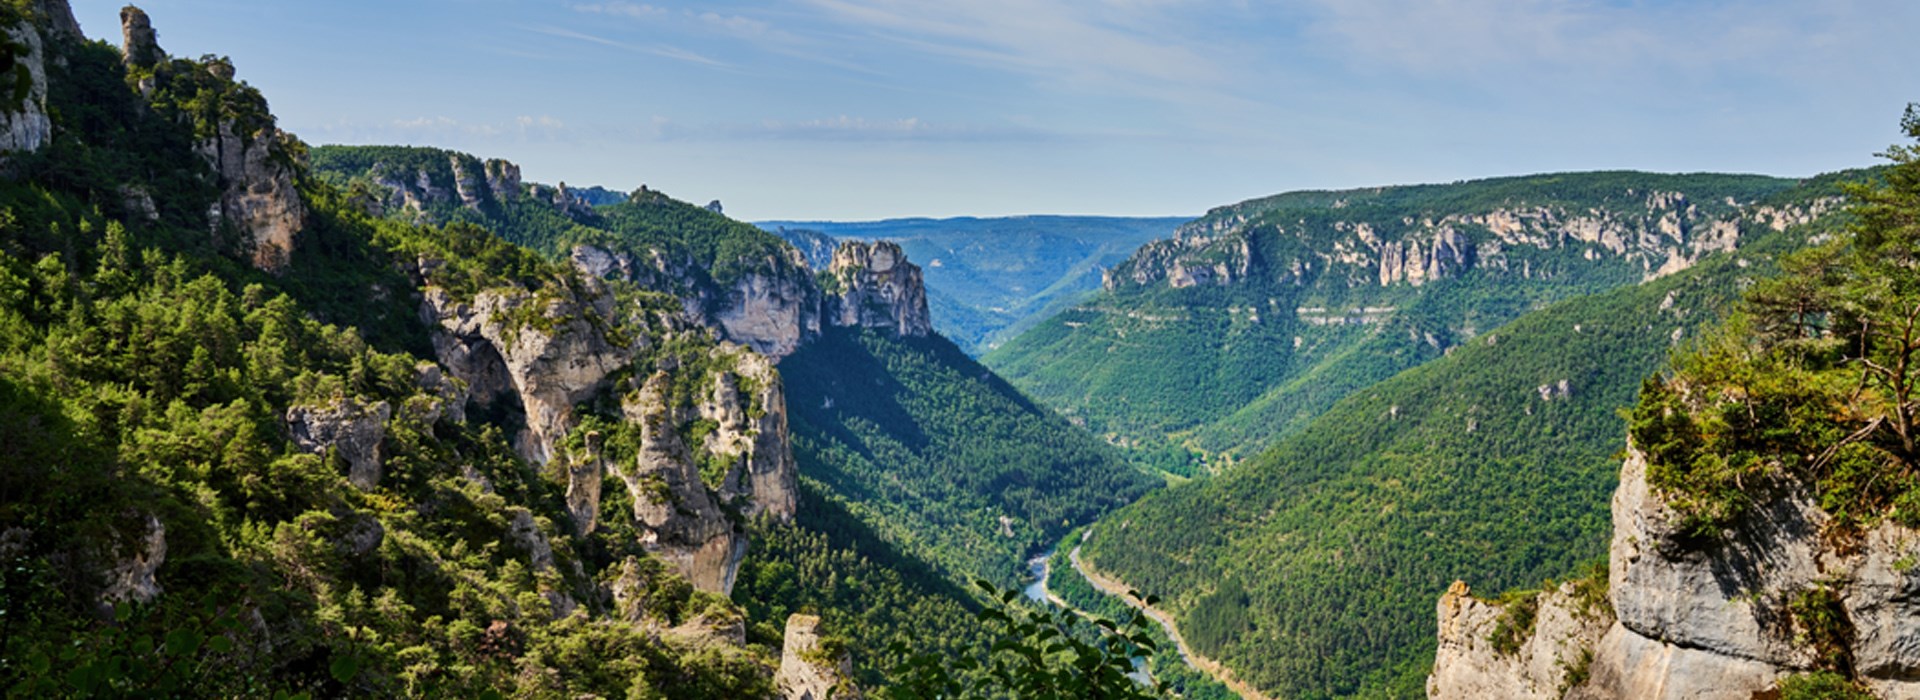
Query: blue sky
point(861, 109)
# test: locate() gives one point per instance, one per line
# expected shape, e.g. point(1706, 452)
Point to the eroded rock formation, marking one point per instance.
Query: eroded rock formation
point(351, 428)
point(1559, 640)
point(1716, 617)
point(807, 670)
point(683, 522)
point(25, 125)
point(877, 288)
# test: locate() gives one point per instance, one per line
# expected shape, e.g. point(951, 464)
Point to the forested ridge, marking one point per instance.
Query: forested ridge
point(1310, 569)
point(1289, 311)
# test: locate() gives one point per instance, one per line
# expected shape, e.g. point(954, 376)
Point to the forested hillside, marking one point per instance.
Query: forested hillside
point(1493, 462)
point(941, 457)
point(1261, 315)
point(235, 463)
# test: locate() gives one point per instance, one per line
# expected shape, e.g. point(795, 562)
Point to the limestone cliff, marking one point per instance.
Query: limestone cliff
point(1652, 232)
point(254, 163)
point(684, 523)
point(871, 285)
point(350, 428)
point(457, 180)
point(1556, 631)
point(24, 123)
point(543, 355)
point(1725, 617)
point(808, 670)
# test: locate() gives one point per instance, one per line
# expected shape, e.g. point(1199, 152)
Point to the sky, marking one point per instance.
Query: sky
point(866, 109)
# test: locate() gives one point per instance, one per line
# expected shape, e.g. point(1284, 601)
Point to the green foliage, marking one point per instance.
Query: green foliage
point(1454, 469)
point(1515, 624)
point(1169, 668)
point(1038, 654)
point(931, 450)
point(1229, 370)
point(888, 605)
point(1822, 685)
point(146, 373)
point(1812, 381)
point(1820, 622)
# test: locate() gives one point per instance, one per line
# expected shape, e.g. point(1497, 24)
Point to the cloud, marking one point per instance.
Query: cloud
point(661, 50)
point(621, 9)
point(849, 129)
point(1127, 46)
point(1468, 37)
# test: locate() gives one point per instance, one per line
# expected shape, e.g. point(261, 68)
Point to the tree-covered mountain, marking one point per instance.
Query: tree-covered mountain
point(405, 425)
point(1765, 514)
point(989, 279)
point(256, 440)
point(946, 472)
point(1492, 462)
point(1259, 316)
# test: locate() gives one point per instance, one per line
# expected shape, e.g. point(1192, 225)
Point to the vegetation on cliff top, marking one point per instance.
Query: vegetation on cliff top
point(1813, 380)
point(1296, 567)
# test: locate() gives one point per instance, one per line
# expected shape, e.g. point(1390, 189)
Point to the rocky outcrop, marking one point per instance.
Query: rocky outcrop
point(503, 180)
point(808, 671)
point(59, 18)
point(1657, 233)
point(683, 523)
point(1724, 617)
point(25, 126)
point(749, 409)
point(774, 309)
point(772, 313)
point(139, 45)
point(1556, 648)
point(131, 577)
point(875, 287)
point(257, 193)
point(553, 352)
point(351, 428)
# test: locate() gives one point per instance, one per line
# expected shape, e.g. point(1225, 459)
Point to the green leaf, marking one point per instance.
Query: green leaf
point(38, 663)
point(220, 644)
point(344, 668)
point(183, 642)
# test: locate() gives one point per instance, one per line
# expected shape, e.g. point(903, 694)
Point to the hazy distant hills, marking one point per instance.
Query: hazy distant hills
point(988, 279)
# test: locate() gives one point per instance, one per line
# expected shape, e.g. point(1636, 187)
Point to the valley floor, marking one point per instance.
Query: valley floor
point(1194, 659)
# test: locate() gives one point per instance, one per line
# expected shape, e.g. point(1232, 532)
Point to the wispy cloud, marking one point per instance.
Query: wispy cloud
point(622, 9)
point(1123, 46)
point(1471, 37)
point(849, 129)
point(661, 50)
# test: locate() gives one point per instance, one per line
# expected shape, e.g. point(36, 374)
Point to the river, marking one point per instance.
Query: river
point(1037, 568)
point(1040, 568)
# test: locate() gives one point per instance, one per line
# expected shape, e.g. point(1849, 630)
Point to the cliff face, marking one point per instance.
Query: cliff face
point(465, 182)
point(541, 355)
point(1654, 232)
point(1558, 640)
point(873, 286)
point(1727, 618)
point(254, 163)
point(810, 672)
point(24, 124)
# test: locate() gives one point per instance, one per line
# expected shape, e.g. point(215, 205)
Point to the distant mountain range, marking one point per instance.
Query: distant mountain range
point(988, 279)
